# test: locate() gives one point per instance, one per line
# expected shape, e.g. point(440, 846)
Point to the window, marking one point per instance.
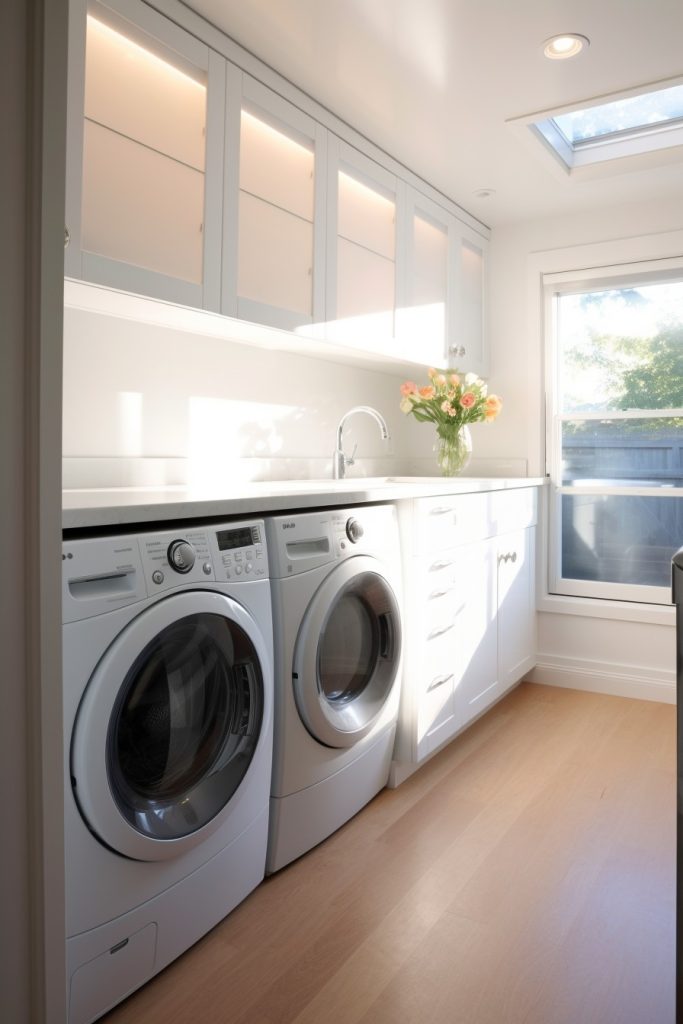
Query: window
point(615, 432)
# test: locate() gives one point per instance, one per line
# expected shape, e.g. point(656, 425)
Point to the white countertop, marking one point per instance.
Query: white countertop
point(127, 506)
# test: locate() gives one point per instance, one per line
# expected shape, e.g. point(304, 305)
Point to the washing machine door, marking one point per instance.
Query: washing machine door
point(169, 724)
point(348, 653)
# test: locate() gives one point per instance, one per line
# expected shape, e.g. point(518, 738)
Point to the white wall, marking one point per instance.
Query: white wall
point(607, 654)
point(145, 404)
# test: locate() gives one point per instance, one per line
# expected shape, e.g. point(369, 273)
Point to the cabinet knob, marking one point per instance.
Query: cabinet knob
point(67, 237)
point(457, 350)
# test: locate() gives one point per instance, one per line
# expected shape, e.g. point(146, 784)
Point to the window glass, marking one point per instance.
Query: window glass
point(617, 439)
point(630, 114)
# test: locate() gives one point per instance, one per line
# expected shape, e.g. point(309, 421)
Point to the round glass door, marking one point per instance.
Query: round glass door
point(185, 726)
point(348, 654)
point(169, 724)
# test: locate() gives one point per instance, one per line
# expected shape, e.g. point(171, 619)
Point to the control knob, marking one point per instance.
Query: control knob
point(354, 530)
point(181, 556)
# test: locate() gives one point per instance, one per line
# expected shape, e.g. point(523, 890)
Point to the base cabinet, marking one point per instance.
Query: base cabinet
point(470, 616)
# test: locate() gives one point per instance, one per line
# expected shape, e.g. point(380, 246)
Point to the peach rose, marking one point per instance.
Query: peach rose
point(431, 373)
point(440, 380)
point(454, 380)
point(409, 388)
point(467, 400)
point(427, 392)
point(492, 407)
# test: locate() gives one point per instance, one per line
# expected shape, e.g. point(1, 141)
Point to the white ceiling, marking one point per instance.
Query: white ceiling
point(433, 82)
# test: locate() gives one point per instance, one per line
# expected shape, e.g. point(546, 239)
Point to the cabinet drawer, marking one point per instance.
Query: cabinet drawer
point(450, 520)
point(436, 710)
point(513, 510)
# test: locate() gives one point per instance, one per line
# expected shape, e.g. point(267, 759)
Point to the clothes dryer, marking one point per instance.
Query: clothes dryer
point(167, 643)
point(335, 580)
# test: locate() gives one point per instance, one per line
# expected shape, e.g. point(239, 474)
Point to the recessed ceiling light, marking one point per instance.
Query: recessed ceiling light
point(567, 45)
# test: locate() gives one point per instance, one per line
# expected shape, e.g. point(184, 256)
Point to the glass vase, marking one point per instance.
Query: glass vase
point(454, 451)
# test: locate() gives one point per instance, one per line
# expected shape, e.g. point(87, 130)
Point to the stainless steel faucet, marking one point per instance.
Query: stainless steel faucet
point(341, 461)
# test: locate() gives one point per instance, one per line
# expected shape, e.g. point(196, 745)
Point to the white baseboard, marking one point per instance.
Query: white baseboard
point(605, 677)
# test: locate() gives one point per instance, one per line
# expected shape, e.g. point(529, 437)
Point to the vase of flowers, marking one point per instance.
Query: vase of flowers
point(451, 402)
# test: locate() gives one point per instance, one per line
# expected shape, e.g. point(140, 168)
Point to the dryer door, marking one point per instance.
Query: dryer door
point(169, 724)
point(348, 653)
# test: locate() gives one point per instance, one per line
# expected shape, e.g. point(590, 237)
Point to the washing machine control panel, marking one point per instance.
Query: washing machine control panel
point(234, 552)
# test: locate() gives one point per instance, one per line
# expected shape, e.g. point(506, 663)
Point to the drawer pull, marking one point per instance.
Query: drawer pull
point(510, 556)
point(440, 632)
point(441, 510)
point(441, 593)
point(439, 681)
point(437, 566)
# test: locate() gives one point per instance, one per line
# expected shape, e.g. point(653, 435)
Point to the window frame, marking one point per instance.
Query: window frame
point(553, 285)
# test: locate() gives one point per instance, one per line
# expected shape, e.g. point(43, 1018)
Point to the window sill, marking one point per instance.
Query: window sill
point(595, 608)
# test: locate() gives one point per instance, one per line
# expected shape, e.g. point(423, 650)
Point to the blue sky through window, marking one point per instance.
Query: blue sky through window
point(631, 114)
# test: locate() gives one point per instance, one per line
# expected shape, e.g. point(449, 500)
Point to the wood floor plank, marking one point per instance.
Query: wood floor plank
point(525, 875)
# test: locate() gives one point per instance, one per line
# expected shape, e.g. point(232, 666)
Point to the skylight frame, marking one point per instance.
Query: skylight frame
point(625, 149)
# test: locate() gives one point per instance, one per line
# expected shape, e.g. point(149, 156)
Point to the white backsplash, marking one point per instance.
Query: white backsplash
point(145, 405)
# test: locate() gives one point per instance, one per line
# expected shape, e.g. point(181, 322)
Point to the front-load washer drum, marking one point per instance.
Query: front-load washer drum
point(169, 725)
point(348, 653)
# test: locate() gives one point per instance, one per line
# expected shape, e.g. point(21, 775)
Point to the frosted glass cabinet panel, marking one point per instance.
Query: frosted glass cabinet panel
point(423, 316)
point(144, 92)
point(141, 175)
point(362, 247)
point(469, 340)
point(279, 222)
point(149, 227)
point(275, 257)
point(366, 216)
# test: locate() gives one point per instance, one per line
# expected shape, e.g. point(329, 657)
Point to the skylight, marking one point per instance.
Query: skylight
point(635, 113)
point(637, 128)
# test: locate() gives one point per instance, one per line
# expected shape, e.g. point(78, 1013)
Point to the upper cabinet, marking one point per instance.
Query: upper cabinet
point(273, 234)
point(145, 176)
point(191, 181)
point(361, 248)
point(468, 346)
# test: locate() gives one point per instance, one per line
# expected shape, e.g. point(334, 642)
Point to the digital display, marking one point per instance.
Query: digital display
point(239, 538)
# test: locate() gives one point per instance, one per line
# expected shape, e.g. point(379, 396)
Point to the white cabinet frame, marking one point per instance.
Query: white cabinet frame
point(245, 92)
point(341, 155)
point(88, 266)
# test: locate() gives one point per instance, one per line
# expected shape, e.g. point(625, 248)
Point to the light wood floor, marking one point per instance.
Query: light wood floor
point(526, 875)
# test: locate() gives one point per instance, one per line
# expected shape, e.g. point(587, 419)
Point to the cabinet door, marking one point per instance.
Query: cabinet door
point(516, 606)
point(274, 202)
point(476, 678)
point(425, 266)
point(361, 249)
point(144, 182)
point(468, 343)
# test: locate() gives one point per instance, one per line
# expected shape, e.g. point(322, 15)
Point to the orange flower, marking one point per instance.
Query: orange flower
point(427, 392)
point(409, 388)
point(492, 407)
point(454, 379)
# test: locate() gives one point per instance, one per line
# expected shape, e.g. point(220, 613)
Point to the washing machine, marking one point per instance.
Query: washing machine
point(335, 581)
point(168, 695)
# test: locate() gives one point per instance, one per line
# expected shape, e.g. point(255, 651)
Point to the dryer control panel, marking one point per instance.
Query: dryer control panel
point(307, 540)
point(101, 573)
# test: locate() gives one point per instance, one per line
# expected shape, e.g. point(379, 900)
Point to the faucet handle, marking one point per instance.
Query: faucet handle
point(349, 460)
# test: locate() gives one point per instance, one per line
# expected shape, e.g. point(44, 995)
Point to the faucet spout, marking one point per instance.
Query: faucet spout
point(339, 460)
